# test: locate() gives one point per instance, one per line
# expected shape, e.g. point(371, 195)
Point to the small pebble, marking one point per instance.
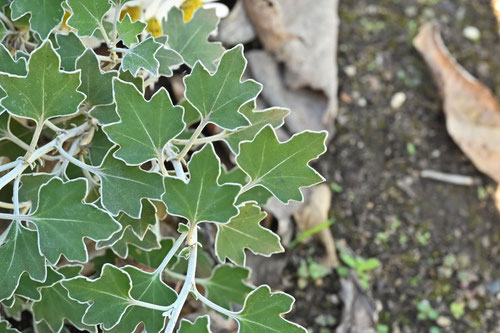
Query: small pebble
point(350, 70)
point(362, 102)
point(444, 321)
point(472, 33)
point(473, 304)
point(398, 100)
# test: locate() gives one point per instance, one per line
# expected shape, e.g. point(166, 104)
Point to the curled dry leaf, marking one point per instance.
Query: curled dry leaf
point(301, 35)
point(314, 212)
point(472, 112)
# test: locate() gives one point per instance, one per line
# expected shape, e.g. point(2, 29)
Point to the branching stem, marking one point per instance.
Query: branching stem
point(191, 141)
point(204, 140)
point(188, 283)
point(170, 254)
point(212, 305)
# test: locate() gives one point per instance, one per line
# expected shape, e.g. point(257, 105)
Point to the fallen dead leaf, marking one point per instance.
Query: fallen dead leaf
point(472, 112)
point(314, 212)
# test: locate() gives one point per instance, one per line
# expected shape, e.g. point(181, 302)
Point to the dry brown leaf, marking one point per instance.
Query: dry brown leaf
point(314, 212)
point(472, 112)
point(300, 38)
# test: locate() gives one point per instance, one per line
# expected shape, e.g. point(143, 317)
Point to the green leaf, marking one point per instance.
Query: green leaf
point(63, 220)
point(152, 258)
point(142, 56)
point(140, 226)
point(19, 254)
point(45, 14)
point(146, 287)
point(282, 168)
point(201, 325)
point(245, 232)
point(105, 114)
point(31, 185)
point(190, 39)
point(120, 245)
point(257, 194)
point(14, 307)
point(87, 15)
point(262, 312)
point(167, 58)
point(128, 30)
point(146, 126)
point(96, 85)
point(108, 296)
point(55, 307)
point(99, 147)
point(258, 119)
point(46, 92)
point(10, 66)
point(218, 97)
point(123, 187)
point(202, 199)
point(226, 285)
point(30, 289)
point(70, 48)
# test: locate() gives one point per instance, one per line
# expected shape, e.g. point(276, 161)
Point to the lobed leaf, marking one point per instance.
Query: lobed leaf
point(87, 15)
point(18, 254)
point(69, 50)
point(123, 187)
point(282, 168)
point(108, 296)
point(218, 97)
point(146, 287)
point(142, 56)
point(45, 15)
point(96, 85)
point(190, 39)
point(45, 92)
point(63, 220)
point(202, 199)
point(226, 285)
point(245, 232)
point(55, 307)
point(128, 30)
point(263, 312)
point(145, 127)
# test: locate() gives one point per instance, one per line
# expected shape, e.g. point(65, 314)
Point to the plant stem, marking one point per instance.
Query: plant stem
point(120, 50)
point(76, 162)
point(188, 283)
point(170, 254)
point(212, 305)
point(179, 170)
point(10, 165)
point(193, 138)
point(15, 195)
point(104, 35)
point(202, 141)
point(182, 277)
point(114, 33)
point(8, 22)
point(34, 140)
point(151, 306)
point(54, 127)
point(42, 151)
point(4, 216)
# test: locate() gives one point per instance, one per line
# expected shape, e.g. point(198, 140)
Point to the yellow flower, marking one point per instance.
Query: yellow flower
point(189, 6)
point(154, 27)
point(135, 13)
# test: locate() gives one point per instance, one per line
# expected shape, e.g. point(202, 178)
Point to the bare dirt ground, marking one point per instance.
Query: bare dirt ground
point(436, 241)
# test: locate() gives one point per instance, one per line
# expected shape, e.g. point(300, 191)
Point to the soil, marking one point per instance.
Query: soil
point(436, 241)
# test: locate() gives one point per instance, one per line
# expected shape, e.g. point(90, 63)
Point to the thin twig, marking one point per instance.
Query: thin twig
point(448, 177)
